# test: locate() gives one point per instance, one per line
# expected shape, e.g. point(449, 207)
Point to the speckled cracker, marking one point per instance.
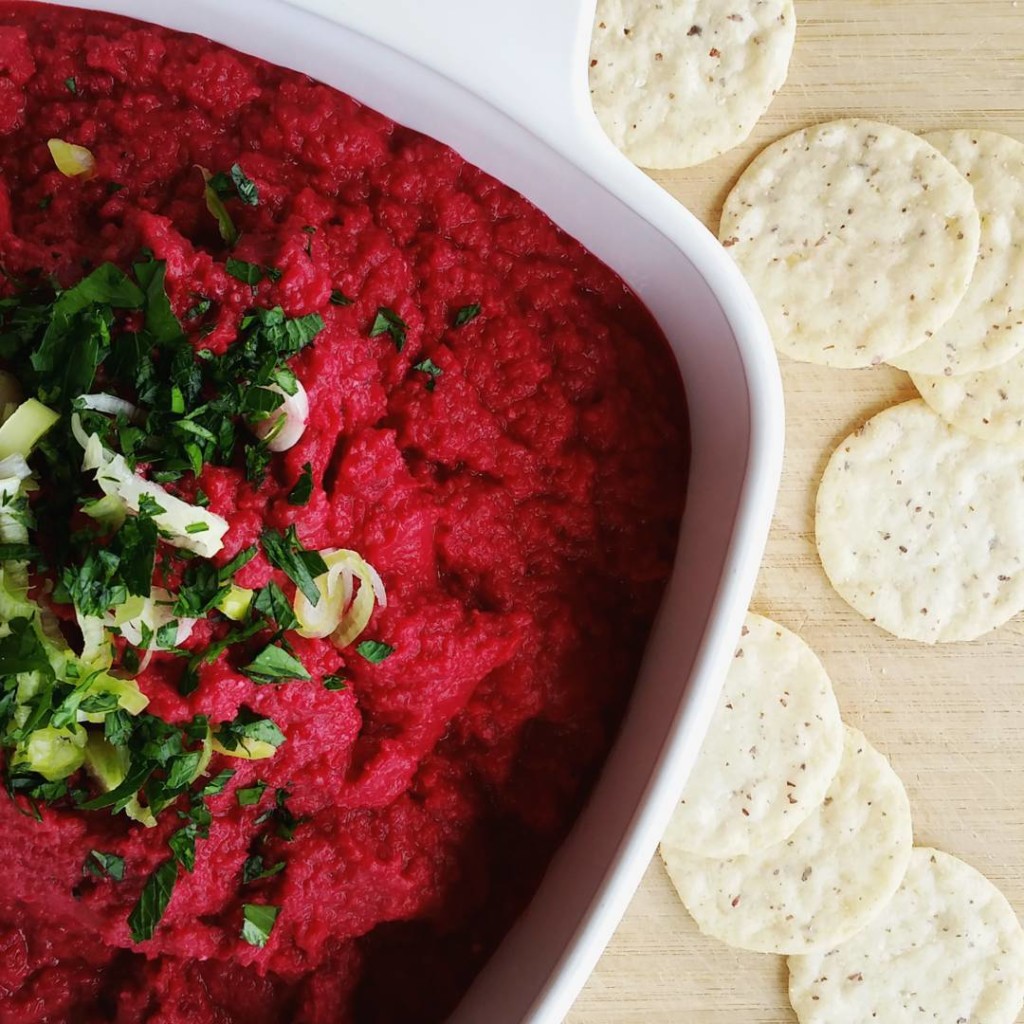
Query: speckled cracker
point(676, 82)
point(919, 526)
point(948, 948)
point(824, 883)
point(859, 240)
point(988, 325)
point(988, 404)
point(771, 753)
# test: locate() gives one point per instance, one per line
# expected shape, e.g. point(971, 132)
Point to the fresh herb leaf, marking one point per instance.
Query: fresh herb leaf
point(201, 308)
point(387, 321)
point(245, 186)
point(335, 683)
point(258, 921)
point(71, 85)
point(257, 460)
point(104, 865)
point(247, 725)
point(286, 552)
point(219, 212)
point(428, 366)
point(253, 870)
point(156, 894)
point(374, 651)
point(117, 728)
point(275, 665)
point(200, 591)
point(183, 846)
point(243, 558)
point(302, 491)
point(96, 585)
point(250, 796)
point(135, 548)
point(285, 822)
point(467, 313)
point(216, 785)
point(248, 273)
point(339, 298)
point(271, 602)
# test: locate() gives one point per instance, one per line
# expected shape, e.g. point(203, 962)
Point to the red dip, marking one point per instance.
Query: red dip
point(511, 459)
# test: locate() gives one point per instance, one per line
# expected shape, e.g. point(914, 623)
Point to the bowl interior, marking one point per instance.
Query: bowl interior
point(735, 417)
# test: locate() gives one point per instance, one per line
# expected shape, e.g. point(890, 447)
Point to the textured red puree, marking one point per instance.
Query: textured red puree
point(522, 514)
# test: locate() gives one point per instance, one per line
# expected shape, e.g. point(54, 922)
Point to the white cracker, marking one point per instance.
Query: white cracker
point(824, 883)
point(676, 82)
point(771, 753)
point(859, 240)
point(988, 404)
point(947, 948)
point(919, 526)
point(988, 325)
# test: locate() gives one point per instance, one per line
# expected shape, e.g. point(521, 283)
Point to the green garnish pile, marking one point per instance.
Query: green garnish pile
point(65, 707)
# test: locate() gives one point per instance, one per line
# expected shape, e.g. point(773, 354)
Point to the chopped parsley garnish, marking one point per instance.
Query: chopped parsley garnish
point(273, 604)
point(71, 85)
point(258, 921)
point(156, 894)
point(217, 784)
point(212, 194)
point(467, 313)
point(303, 489)
point(275, 665)
point(255, 870)
point(284, 821)
point(433, 371)
point(201, 308)
point(245, 186)
point(285, 551)
point(248, 726)
point(374, 651)
point(104, 865)
point(250, 795)
point(73, 728)
point(249, 273)
point(183, 847)
point(339, 298)
point(244, 557)
point(387, 321)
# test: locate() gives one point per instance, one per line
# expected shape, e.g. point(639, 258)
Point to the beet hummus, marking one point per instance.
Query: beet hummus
point(495, 425)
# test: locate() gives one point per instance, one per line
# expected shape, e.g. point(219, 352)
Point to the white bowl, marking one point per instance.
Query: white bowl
point(505, 85)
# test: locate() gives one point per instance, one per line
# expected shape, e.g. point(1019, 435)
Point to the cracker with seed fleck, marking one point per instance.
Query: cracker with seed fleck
point(771, 753)
point(859, 240)
point(947, 948)
point(988, 326)
point(919, 526)
point(676, 82)
point(822, 884)
point(988, 404)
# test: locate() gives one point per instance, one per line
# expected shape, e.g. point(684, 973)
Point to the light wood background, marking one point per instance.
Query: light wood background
point(951, 718)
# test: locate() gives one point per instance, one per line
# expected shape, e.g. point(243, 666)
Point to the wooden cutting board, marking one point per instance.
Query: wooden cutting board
point(951, 718)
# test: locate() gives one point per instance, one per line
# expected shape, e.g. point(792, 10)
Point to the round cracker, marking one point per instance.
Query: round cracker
point(947, 948)
point(676, 82)
point(988, 326)
point(988, 404)
point(859, 240)
point(824, 883)
point(771, 753)
point(919, 526)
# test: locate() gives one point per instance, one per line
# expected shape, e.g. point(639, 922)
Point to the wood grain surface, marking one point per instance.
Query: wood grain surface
point(951, 718)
